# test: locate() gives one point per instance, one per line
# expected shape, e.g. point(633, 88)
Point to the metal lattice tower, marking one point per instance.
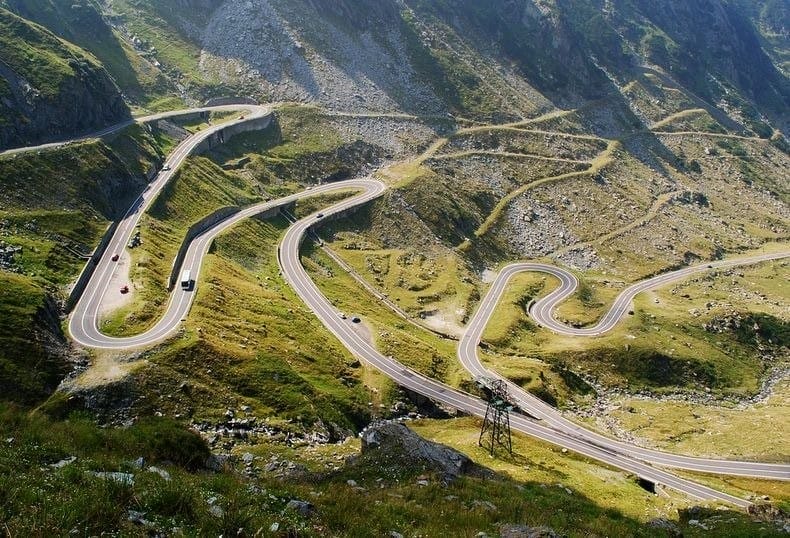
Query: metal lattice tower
point(496, 424)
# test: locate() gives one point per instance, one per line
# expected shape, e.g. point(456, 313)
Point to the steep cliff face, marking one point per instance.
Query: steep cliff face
point(49, 88)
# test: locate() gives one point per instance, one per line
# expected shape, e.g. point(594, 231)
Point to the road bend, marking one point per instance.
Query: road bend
point(542, 312)
point(550, 426)
point(126, 123)
point(298, 278)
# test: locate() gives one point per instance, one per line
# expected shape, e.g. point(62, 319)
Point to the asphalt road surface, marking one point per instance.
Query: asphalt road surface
point(571, 436)
point(550, 425)
point(84, 319)
point(124, 124)
point(542, 312)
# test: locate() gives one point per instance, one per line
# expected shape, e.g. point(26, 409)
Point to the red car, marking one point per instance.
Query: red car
point(125, 289)
point(115, 257)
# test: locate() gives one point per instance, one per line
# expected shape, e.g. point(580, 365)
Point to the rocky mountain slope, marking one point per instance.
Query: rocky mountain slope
point(486, 61)
point(50, 88)
point(489, 62)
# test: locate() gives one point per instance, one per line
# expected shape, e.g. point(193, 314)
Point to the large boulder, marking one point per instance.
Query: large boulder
point(394, 438)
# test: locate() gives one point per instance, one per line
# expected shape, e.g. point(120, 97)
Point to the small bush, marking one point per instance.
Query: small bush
point(161, 439)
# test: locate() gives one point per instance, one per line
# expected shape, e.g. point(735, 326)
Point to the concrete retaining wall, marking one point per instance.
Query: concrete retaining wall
point(196, 229)
point(87, 271)
point(203, 225)
point(221, 101)
point(225, 134)
point(336, 216)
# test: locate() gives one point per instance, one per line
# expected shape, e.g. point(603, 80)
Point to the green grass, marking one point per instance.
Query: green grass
point(157, 25)
point(37, 55)
point(711, 430)
point(664, 345)
point(391, 334)
point(36, 499)
point(58, 203)
point(198, 189)
point(267, 354)
point(82, 23)
point(29, 371)
point(56, 206)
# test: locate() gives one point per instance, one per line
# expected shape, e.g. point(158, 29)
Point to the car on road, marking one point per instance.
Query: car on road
point(166, 167)
point(115, 257)
point(319, 215)
point(342, 315)
point(124, 289)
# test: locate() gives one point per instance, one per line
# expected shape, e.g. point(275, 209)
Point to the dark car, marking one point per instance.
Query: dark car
point(115, 257)
point(355, 319)
point(124, 289)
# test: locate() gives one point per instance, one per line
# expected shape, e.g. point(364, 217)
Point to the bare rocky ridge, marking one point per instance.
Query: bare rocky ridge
point(324, 64)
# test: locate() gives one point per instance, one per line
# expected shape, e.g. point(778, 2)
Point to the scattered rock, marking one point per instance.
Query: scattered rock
point(396, 438)
point(122, 478)
point(62, 463)
point(665, 525)
point(510, 530)
point(217, 462)
point(486, 505)
point(697, 523)
point(138, 518)
point(161, 472)
point(303, 508)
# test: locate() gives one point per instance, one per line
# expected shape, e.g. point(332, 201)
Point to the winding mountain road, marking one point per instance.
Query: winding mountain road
point(552, 427)
point(83, 324)
point(542, 312)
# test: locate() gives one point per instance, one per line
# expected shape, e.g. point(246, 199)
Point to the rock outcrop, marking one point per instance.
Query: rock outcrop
point(50, 89)
point(396, 440)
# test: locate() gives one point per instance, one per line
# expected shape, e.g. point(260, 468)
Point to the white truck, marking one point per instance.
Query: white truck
point(186, 279)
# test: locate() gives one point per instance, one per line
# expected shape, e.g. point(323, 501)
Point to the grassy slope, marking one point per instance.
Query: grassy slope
point(198, 189)
point(664, 344)
point(158, 26)
point(29, 371)
point(266, 355)
point(44, 500)
point(56, 205)
point(711, 430)
point(36, 55)
point(82, 24)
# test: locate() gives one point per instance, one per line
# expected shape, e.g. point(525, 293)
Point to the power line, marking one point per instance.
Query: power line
point(496, 424)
